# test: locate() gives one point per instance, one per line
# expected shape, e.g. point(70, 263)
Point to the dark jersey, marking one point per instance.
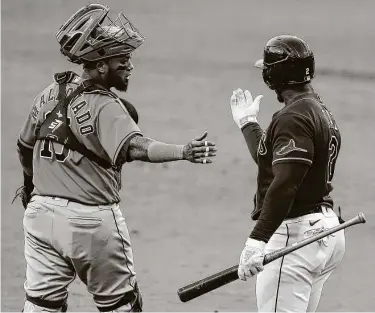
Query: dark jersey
point(303, 131)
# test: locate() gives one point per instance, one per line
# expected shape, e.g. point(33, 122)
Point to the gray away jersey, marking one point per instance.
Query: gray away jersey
point(99, 122)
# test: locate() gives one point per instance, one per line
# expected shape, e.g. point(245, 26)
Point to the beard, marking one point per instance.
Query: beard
point(116, 81)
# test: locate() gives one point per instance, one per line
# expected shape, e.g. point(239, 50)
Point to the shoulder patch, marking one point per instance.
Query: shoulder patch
point(291, 146)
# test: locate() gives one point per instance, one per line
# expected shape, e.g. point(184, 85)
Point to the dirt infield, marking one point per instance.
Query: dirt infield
point(188, 221)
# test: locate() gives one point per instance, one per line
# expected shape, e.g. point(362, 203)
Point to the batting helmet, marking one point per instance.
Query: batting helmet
point(91, 35)
point(287, 60)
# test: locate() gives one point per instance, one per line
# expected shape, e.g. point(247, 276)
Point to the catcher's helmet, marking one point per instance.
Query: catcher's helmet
point(91, 35)
point(287, 60)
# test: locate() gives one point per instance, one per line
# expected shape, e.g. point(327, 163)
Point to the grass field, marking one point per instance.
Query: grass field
point(188, 221)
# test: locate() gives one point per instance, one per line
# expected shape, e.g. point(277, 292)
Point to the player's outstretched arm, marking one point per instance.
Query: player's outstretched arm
point(245, 111)
point(149, 150)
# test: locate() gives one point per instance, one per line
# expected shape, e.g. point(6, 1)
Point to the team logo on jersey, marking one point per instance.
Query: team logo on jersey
point(262, 148)
point(291, 146)
point(56, 123)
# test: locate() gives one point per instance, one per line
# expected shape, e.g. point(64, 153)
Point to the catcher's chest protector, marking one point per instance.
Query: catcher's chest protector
point(56, 124)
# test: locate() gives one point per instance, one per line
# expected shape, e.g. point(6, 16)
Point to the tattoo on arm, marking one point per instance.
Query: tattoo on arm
point(149, 150)
point(137, 149)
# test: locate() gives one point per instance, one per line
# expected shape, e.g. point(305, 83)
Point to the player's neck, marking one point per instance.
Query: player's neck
point(96, 78)
point(289, 95)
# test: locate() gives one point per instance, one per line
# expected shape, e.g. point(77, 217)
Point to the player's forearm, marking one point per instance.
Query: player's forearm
point(252, 133)
point(25, 155)
point(149, 150)
point(279, 198)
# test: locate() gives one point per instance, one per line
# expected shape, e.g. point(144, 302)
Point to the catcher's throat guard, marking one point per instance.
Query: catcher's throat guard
point(91, 35)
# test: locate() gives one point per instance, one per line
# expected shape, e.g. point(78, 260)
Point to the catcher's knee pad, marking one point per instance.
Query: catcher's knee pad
point(130, 302)
point(41, 305)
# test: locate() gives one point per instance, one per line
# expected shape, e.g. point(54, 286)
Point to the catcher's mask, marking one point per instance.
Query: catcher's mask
point(287, 60)
point(91, 35)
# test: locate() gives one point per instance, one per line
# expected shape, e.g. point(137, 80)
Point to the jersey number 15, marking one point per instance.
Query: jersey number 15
point(48, 151)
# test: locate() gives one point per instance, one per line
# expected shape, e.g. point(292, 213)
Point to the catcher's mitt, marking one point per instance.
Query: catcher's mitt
point(24, 192)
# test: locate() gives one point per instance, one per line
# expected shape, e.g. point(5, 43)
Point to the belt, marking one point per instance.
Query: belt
point(317, 209)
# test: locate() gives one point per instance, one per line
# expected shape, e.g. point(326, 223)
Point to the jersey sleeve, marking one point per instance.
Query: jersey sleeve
point(292, 139)
point(27, 134)
point(115, 128)
point(43, 101)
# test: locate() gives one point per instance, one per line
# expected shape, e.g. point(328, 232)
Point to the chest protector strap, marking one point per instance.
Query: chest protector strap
point(56, 126)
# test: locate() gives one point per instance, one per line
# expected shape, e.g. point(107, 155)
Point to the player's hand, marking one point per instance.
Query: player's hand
point(251, 260)
point(199, 151)
point(244, 108)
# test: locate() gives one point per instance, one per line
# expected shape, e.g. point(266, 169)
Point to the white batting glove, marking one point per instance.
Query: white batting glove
point(251, 260)
point(244, 108)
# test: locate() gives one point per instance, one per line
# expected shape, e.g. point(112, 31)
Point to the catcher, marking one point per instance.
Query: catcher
point(72, 148)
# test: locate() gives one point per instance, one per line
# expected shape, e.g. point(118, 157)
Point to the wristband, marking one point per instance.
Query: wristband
point(247, 119)
point(159, 152)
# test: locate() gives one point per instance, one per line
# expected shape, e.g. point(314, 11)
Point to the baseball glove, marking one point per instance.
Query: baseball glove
point(24, 192)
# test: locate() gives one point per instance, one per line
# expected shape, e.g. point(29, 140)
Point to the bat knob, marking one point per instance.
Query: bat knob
point(362, 217)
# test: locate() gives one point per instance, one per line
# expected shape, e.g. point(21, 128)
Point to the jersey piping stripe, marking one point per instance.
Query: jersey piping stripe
point(123, 247)
point(281, 266)
point(25, 144)
point(292, 159)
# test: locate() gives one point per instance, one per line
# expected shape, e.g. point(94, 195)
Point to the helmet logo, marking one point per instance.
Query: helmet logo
point(307, 74)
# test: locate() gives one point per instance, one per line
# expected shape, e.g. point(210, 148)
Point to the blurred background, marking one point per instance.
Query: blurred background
point(189, 221)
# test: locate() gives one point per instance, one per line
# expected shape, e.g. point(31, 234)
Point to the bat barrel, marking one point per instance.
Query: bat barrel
point(208, 284)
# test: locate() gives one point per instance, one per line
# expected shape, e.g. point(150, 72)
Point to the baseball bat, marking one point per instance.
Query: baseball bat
point(229, 275)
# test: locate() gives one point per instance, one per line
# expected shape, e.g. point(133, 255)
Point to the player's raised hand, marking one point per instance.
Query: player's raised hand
point(199, 151)
point(244, 108)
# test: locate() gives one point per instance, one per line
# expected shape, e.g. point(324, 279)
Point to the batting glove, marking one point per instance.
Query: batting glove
point(251, 260)
point(244, 108)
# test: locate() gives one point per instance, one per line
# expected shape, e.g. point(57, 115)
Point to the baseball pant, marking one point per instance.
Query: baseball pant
point(294, 282)
point(64, 239)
